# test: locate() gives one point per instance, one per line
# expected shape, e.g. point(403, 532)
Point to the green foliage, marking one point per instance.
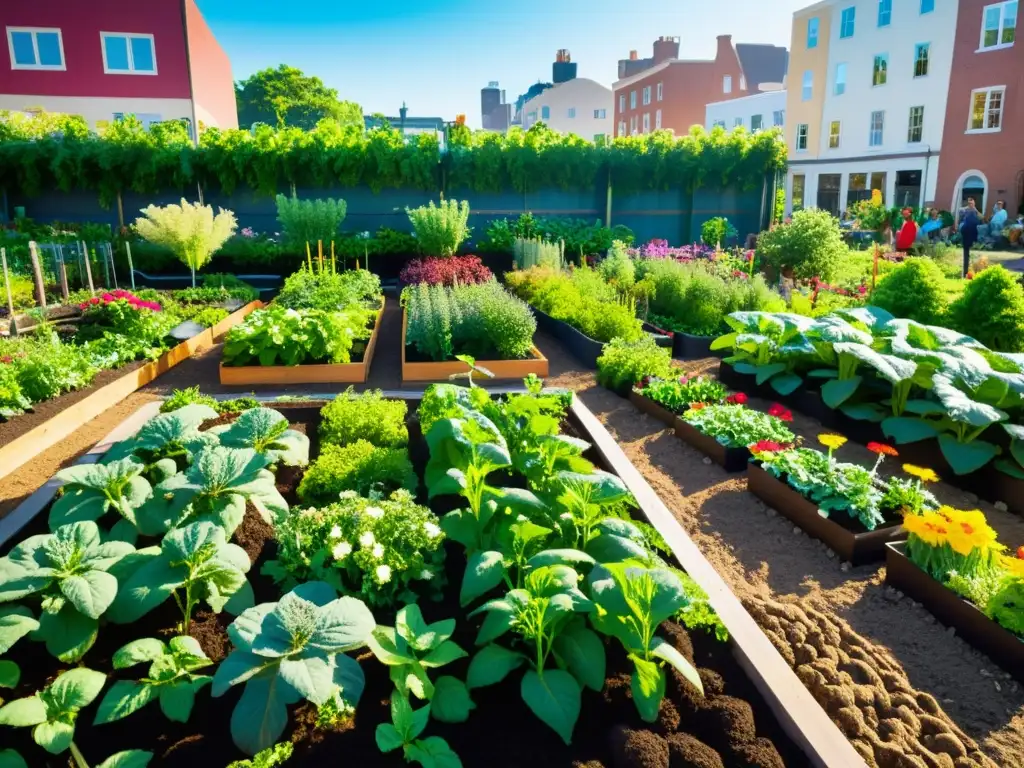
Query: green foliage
point(440, 229)
point(92, 490)
point(623, 363)
point(16, 621)
point(265, 431)
point(23, 292)
point(190, 231)
point(286, 96)
point(365, 416)
point(811, 245)
point(697, 612)
point(736, 426)
point(210, 316)
point(536, 252)
point(279, 336)
point(1005, 606)
point(991, 309)
point(617, 268)
point(53, 711)
point(271, 757)
point(359, 466)
point(915, 290)
point(179, 398)
point(677, 394)
point(307, 222)
point(717, 232)
point(385, 551)
point(328, 290)
point(404, 731)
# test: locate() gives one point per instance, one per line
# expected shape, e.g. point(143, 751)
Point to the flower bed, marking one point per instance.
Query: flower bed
point(726, 432)
point(505, 727)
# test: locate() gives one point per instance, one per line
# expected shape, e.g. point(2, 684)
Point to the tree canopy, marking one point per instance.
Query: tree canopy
point(287, 97)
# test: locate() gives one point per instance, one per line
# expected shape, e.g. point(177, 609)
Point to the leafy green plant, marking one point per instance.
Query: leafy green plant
point(172, 679)
point(271, 757)
point(92, 490)
point(365, 416)
point(535, 252)
point(623, 363)
point(811, 245)
point(440, 229)
point(309, 221)
point(265, 431)
point(617, 268)
point(717, 231)
point(52, 712)
point(915, 290)
point(323, 288)
point(358, 466)
point(190, 231)
point(279, 336)
point(736, 426)
point(768, 346)
point(193, 564)
point(179, 398)
point(288, 651)
point(383, 551)
point(677, 394)
point(991, 309)
point(210, 316)
point(404, 731)
point(16, 621)
point(69, 572)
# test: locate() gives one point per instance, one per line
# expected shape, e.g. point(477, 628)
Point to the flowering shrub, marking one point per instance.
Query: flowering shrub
point(736, 426)
point(678, 394)
point(359, 466)
point(446, 271)
point(119, 295)
point(384, 551)
point(660, 249)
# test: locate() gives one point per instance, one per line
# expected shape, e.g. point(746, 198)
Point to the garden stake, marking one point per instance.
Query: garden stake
point(131, 266)
point(106, 272)
point(334, 265)
point(37, 272)
point(88, 268)
point(63, 280)
point(309, 257)
point(10, 296)
point(320, 254)
point(109, 254)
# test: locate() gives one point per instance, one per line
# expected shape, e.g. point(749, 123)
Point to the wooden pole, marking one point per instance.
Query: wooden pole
point(63, 279)
point(120, 210)
point(88, 268)
point(131, 266)
point(334, 265)
point(37, 273)
point(10, 295)
point(320, 254)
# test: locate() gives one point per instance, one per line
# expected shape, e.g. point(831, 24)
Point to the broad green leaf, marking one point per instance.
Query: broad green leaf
point(384, 644)
point(583, 654)
point(147, 588)
point(176, 700)
point(965, 458)
point(554, 698)
point(787, 383)
point(764, 373)
point(55, 737)
point(132, 758)
point(238, 667)
point(451, 702)
point(349, 678)
point(906, 429)
point(77, 688)
point(667, 652)
point(15, 622)
point(433, 752)
point(444, 654)
point(124, 698)
point(387, 737)
point(889, 367)
point(1010, 468)
point(484, 571)
point(608, 548)
point(90, 592)
point(961, 408)
point(311, 677)
point(261, 714)
point(68, 634)
point(864, 412)
point(341, 625)
point(923, 408)
point(22, 713)
point(417, 633)
point(648, 686)
point(571, 557)
point(10, 674)
point(837, 391)
point(11, 759)
point(491, 665)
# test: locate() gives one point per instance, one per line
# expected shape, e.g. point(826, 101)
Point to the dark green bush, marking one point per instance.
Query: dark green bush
point(623, 363)
point(916, 290)
point(361, 467)
point(991, 309)
point(811, 245)
point(367, 416)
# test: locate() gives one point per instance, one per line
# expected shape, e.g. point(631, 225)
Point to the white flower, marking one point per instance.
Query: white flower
point(291, 313)
point(335, 532)
point(378, 551)
point(341, 550)
point(375, 512)
point(347, 495)
point(426, 574)
point(566, 516)
point(366, 539)
point(431, 530)
point(383, 574)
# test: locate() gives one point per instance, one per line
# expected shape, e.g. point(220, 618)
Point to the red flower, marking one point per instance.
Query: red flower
point(750, 255)
point(1020, 553)
point(767, 446)
point(6, 359)
point(739, 398)
point(781, 413)
point(644, 382)
point(882, 448)
point(684, 379)
point(862, 289)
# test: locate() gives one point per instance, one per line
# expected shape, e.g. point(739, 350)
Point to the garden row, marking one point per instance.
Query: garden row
point(282, 574)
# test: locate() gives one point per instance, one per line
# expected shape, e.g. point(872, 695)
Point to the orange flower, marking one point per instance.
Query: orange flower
point(882, 449)
point(697, 406)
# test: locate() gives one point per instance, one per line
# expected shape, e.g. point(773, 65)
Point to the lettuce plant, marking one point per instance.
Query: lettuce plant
point(93, 490)
point(288, 651)
point(172, 679)
point(630, 603)
point(280, 336)
point(404, 732)
point(265, 431)
point(736, 426)
point(676, 394)
point(410, 649)
point(195, 563)
point(52, 712)
point(768, 346)
point(68, 571)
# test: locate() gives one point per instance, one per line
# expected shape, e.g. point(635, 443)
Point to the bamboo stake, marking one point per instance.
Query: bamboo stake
point(64, 280)
point(309, 257)
point(131, 266)
point(10, 295)
point(109, 254)
point(88, 268)
point(334, 265)
point(106, 271)
point(37, 273)
point(320, 254)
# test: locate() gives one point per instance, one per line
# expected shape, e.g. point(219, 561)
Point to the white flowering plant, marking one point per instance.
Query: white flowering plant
point(384, 551)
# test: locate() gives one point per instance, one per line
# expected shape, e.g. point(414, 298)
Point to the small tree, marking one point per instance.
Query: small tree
point(309, 221)
point(190, 231)
point(440, 229)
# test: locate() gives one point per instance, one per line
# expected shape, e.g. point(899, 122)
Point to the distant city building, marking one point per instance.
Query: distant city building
point(756, 112)
point(564, 68)
point(579, 106)
point(495, 114)
point(409, 126)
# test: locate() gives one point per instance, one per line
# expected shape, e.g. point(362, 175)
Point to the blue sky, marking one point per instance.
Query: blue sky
point(436, 55)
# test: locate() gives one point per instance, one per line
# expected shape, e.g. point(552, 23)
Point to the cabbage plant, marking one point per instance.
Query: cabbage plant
point(51, 713)
point(265, 431)
point(288, 651)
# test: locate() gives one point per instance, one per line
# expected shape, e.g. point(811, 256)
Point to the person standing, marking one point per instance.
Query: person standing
point(908, 232)
point(968, 218)
point(999, 217)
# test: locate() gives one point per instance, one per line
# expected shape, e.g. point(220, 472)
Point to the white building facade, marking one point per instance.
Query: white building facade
point(756, 112)
point(882, 102)
point(579, 106)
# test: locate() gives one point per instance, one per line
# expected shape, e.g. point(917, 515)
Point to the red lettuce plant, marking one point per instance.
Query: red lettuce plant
point(447, 271)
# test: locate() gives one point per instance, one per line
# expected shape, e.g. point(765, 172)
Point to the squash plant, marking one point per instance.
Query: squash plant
point(265, 431)
point(91, 491)
point(769, 346)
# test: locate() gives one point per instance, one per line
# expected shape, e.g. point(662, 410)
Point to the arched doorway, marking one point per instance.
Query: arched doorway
point(971, 183)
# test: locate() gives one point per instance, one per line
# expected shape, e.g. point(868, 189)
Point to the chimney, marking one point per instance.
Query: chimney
point(725, 50)
point(666, 48)
point(401, 119)
point(633, 56)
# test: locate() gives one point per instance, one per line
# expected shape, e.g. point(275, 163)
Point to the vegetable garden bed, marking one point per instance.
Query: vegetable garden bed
point(686, 346)
point(730, 459)
point(577, 343)
point(500, 731)
point(1004, 647)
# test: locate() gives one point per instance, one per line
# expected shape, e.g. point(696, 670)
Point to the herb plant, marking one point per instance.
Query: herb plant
point(52, 712)
point(364, 416)
point(307, 221)
point(440, 229)
point(359, 467)
point(676, 394)
point(736, 426)
point(623, 363)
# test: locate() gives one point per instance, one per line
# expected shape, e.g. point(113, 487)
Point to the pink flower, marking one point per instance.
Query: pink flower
point(740, 398)
point(6, 359)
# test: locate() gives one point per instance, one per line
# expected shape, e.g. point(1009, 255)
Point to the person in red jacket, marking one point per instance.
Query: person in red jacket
point(908, 232)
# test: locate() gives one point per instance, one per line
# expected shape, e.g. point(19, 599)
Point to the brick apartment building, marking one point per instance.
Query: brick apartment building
point(665, 91)
point(156, 59)
point(983, 154)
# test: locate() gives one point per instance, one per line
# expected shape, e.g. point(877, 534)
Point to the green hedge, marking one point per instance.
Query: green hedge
point(59, 151)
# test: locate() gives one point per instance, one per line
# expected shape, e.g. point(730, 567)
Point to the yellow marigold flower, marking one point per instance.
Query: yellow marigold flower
point(923, 474)
point(832, 441)
point(969, 531)
point(931, 527)
point(1013, 565)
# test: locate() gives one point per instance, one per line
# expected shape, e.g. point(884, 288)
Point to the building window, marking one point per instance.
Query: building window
point(880, 72)
point(847, 22)
point(719, 124)
point(986, 110)
point(128, 54)
point(727, 84)
point(812, 32)
point(884, 13)
point(571, 112)
point(35, 48)
point(632, 125)
point(531, 116)
point(834, 130)
point(622, 127)
point(807, 89)
point(877, 129)
point(661, 91)
point(756, 122)
point(147, 120)
point(801, 137)
point(600, 114)
point(999, 26)
point(647, 95)
point(632, 99)
point(647, 122)
point(840, 79)
point(657, 120)
point(921, 54)
point(545, 113)
point(779, 117)
point(622, 102)
point(927, 6)
point(798, 192)
point(915, 129)
point(737, 122)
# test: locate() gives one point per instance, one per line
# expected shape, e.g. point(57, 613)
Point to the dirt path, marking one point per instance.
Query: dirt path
point(907, 692)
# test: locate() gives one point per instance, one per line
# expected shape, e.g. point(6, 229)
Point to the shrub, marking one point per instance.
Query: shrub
point(717, 231)
point(623, 363)
point(279, 336)
point(309, 221)
point(462, 270)
point(323, 289)
point(23, 293)
point(361, 467)
point(366, 416)
point(617, 268)
point(991, 309)
point(440, 229)
point(350, 543)
point(209, 316)
point(916, 290)
point(811, 245)
point(189, 230)
point(535, 252)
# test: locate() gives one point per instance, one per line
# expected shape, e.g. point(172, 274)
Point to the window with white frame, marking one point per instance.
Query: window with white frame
point(600, 114)
point(647, 95)
point(779, 117)
point(807, 87)
point(884, 13)
point(727, 84)
point(571, 112)
point(847, 21)
point(927, 6)
point(35, 48)
point(875, 135)
point(915, 128)
point(834, 132)
point(986, 110)
point(632, 99)
point(128, 54)
point(545, 113)
point(880, 71)
point(922, 53)
point(840, 88)
point(647, 122)
point(719, 124)
point(661, 92)
point(622, 102)
point(999, 25)
point(632, 125)
point(812, 32)
point(622, 127)
point(801, 137)
point(756, 122)
point(657, 120)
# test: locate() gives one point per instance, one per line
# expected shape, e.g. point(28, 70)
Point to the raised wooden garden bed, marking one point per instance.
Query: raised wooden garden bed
point(731, 459)
point(317, 373)
point(585, 349)
point(441, 371)
point(654, 410)
point(1001, 645)
point(27, 446)
point(845, 536)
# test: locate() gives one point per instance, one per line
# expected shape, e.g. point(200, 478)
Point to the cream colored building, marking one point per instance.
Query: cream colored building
point(579, 106)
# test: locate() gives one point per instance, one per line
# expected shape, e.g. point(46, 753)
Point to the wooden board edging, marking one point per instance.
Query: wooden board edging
point(26, 447)
point(800, 715)
point(443, 370)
